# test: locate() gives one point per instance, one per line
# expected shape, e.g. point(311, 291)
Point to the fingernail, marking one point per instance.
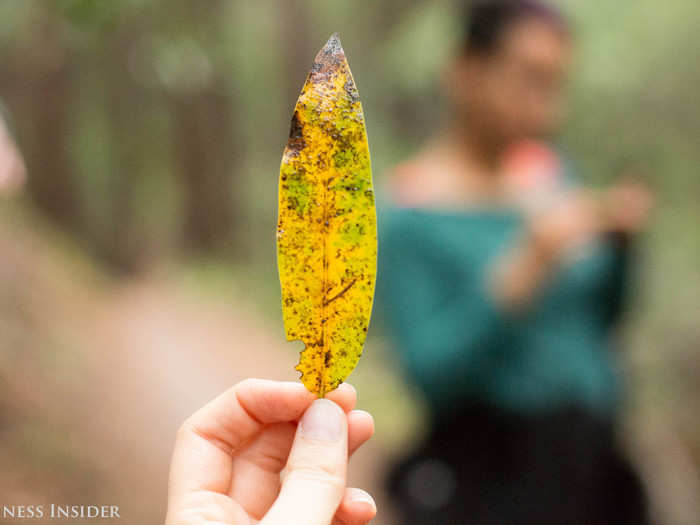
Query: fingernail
point(322, 421)
point(360, 496)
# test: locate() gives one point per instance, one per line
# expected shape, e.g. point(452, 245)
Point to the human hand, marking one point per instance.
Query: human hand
point(247, 457)
point(570, 222)
point(628, 205)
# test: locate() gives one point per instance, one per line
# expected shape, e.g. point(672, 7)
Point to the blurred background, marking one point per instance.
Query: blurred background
point(137, 262)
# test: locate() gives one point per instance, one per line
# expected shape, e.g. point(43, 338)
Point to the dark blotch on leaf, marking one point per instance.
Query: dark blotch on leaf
point(296, 135)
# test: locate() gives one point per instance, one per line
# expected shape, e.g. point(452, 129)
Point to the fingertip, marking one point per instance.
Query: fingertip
point(360, 497)
point(324, 420)
point(362, 418)
point(345, 395)
point(272, 401)
point(360, 429)
point(357, 506)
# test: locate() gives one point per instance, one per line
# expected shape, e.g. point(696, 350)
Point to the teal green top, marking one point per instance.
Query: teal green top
point(458, 346)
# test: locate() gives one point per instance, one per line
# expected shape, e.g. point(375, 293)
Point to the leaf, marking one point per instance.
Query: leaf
point(327, 231)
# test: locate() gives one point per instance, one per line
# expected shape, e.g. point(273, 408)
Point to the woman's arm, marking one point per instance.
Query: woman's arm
point(521, 272)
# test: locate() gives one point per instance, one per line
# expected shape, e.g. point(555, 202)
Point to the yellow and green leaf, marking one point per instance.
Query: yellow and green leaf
point(326, 232)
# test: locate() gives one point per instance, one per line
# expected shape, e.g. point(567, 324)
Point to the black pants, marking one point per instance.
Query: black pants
point(485, 467)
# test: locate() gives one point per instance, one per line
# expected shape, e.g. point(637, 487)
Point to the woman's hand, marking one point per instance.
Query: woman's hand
point(520, 273)
point(628, 205)
point(571, 222)
point(267, 452)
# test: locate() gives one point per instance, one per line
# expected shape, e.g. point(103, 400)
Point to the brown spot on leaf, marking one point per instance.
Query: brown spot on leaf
point(296, 135)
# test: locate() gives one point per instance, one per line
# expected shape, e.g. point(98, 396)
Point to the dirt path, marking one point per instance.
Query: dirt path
point(161, 355)
point(96, 376)
point(104, 373)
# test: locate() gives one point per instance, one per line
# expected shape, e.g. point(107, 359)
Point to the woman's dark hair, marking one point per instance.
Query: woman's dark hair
point(489, 20)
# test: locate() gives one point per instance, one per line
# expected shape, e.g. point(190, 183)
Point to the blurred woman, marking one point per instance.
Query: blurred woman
point(503, 283)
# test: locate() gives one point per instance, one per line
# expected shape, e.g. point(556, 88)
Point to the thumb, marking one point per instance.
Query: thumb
point(314, 479)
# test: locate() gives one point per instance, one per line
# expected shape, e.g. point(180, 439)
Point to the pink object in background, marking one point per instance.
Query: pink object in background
point(535, 174)
point(531, 164)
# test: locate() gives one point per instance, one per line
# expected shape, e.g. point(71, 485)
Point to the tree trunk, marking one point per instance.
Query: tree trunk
point(203, 140)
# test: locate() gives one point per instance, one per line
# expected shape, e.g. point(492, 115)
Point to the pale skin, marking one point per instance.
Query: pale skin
point(270, 453)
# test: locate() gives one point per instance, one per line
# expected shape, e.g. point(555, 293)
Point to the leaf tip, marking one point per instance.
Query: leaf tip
point(333, 48)
point(333, 43)
point(330, 58)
